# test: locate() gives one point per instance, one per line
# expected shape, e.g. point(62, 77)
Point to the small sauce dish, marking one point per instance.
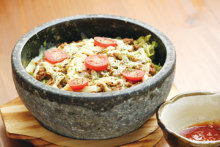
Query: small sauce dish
point(185, 110)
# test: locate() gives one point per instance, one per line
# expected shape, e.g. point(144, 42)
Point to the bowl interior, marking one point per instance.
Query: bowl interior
point(78, 29)
point(189, 110)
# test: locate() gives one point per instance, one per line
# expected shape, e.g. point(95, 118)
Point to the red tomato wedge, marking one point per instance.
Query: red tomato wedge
point(55, 55)
point(134, 75)
point(104, 42)
point(78, 83)
point(97, 62)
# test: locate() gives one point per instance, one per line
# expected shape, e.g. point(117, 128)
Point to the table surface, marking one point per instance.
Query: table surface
point(192, 25)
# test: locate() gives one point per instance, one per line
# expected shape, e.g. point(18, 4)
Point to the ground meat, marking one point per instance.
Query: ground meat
point(118, 85)
point(89, 71)
point(42, 73)
point(63, 70)
point(62, 45)
point(102, 87)
point(115, 89)
point(112, 84)
point(152, 69)
point(118, 58)
point(50, 81)
point(38, 62)
point(136, 47)
point(103, 51)
point(62, 84)
point(128, 41)
point(136, 83)
point(134, 59)
point(128, 84)
point(111, 73)
point(132, 83)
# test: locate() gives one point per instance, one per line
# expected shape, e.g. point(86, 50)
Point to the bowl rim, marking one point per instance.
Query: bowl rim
point(167, 68)
point(177, 135)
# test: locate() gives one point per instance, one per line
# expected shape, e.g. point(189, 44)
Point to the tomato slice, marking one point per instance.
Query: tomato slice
point(78, 83)
point(104, 42)
point(55, 55)
point(97, 62)
point(134, 75)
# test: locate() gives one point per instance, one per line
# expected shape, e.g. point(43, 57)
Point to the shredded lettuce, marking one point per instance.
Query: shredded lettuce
point(147, 38)
point(41, 52)
point(149, 47)
point(157, 67)
point(45, 43)
point(144, 41)
point(44, 81)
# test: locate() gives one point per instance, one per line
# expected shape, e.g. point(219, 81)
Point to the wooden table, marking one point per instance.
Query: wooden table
point(192, 25)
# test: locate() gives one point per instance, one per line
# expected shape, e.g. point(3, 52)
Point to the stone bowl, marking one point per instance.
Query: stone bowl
point(91, 115)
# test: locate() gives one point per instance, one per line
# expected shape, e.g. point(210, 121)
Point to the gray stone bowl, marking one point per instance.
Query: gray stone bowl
point(91, 115)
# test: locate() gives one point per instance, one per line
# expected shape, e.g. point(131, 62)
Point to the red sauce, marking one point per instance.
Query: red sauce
point(207, 131)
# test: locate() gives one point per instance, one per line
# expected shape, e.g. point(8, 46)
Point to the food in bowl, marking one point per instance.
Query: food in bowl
point(191, 119)
point(205, 131)
point(97, 64)
point(86, 115)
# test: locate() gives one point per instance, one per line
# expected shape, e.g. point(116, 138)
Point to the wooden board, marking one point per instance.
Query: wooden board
point(20, 124)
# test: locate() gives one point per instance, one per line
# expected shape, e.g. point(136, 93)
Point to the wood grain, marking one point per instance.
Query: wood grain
point(192, 25)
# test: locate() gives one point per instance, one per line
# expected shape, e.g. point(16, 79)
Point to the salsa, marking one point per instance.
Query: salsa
point(207, 131)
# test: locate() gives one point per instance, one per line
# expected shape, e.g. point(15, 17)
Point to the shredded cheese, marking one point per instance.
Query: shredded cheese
point(121, 57)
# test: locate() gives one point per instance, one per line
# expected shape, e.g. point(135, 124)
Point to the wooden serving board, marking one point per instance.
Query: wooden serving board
point(20, 124)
